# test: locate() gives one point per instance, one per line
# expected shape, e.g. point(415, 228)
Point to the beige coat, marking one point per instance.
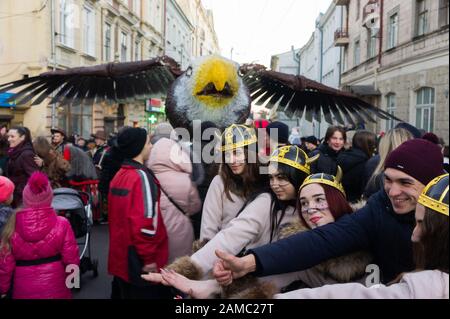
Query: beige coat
point(172, 166)
point(419, 285)
point(218, 210)
point(249, 230)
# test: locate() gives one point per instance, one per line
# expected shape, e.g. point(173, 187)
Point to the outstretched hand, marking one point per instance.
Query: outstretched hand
point(238, 267)
point(194, 288)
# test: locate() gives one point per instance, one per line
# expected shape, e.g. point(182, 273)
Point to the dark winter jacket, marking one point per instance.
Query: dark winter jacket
point(327, 162)
point(99, 155)
point(353, 162)
point(372, 185)
point(20, 167)
point(111, 165)
point(375, 228)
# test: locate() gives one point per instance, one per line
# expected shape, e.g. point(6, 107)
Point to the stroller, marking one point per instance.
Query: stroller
point(76, 207)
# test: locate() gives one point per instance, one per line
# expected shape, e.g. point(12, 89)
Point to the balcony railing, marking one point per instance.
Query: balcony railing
point(341, 38)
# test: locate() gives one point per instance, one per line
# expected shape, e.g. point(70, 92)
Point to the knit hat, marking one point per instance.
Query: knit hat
point(431, 137)
point(6, 189)
point(418, 158)
point(411, 129)
point(131, 141)
point(282, 129)
point(311, 139)
point(38, 192)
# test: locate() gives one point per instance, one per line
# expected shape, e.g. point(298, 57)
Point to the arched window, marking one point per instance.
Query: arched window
point(425, 109)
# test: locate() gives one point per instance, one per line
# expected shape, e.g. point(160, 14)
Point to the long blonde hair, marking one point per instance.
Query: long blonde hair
point(7, 232)
point(393, 139)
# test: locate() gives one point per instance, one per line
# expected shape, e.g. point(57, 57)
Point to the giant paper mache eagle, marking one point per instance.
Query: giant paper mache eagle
point(212, 89)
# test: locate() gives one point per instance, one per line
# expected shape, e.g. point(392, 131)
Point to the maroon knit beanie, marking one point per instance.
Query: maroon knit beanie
point(418, 158)
point(38, 192)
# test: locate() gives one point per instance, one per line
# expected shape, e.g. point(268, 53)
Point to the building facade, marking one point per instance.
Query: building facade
point(179, 33)
point(319, 60)
point(204, 37)
point(396, 56)
point(61, 34)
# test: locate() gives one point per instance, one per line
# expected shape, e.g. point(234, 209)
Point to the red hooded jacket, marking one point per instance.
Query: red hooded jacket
point(135, 219)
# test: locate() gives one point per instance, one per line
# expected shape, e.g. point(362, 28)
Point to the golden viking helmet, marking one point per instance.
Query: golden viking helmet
point(293, 156)
point(327, 179)
point(237, 136)
point(435, 195)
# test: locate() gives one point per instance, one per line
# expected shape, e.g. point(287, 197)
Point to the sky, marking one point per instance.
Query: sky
point(254, 30)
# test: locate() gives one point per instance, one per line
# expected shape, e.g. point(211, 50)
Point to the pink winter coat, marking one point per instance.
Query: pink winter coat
point(173, 167)
point(39, 233)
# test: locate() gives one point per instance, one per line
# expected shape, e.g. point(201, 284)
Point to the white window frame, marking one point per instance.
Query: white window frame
point(67, 23)
point(393, 30)
point(124, 46)
point(357, 53)
point(137, 7)
point(108, 49)
point(421, 17)
point(137, 50)
point(391, 107)
point(425, 107)
point(371, 44)
point(89, 31)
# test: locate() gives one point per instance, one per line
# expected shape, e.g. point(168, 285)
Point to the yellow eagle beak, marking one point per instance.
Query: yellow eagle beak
point(216, 82)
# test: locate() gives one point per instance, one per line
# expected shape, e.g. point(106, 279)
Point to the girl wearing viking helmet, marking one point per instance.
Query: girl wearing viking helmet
point(321, 200)
point(431, 240)
point(259, 222)
point(238, 179)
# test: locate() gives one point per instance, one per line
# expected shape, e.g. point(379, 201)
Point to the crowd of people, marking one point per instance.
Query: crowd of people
point(293, 217)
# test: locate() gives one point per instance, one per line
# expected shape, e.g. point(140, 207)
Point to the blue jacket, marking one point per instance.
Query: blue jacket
point(375, 228)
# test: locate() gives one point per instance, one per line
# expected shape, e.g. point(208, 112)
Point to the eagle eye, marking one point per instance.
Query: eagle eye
point(189, 71)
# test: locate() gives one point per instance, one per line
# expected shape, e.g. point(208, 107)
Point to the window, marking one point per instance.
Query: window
point(358, 9)
point(76, 119)
point(425, 109)
point(137, 7)
point(357, 54)
point(393, 31)
point(67, 23)
point(123, 47)
point(443, 12)
point(421, 18)
point(89, 31)
point(371, 44)
point(390, 108)
point(108, 42)
point(137, 50)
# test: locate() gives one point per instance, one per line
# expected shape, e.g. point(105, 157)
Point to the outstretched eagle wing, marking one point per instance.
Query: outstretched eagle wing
point(112, 82)
point(298, 96)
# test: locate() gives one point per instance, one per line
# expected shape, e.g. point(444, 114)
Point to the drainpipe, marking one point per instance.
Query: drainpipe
point(53, 53)
point(380, 51)
point(340, 51)
point(164, 26)
point(321, 55)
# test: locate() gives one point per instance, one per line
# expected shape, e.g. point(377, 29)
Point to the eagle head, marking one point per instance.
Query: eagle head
point(211, 89)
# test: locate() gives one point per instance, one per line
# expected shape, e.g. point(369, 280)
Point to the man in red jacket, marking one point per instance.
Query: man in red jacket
point(136, 227)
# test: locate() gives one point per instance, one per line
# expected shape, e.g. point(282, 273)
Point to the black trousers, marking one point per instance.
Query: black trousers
point(124, 290)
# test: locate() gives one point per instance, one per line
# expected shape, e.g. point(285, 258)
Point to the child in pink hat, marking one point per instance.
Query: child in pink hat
point(37, 246)
point(6, 198)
